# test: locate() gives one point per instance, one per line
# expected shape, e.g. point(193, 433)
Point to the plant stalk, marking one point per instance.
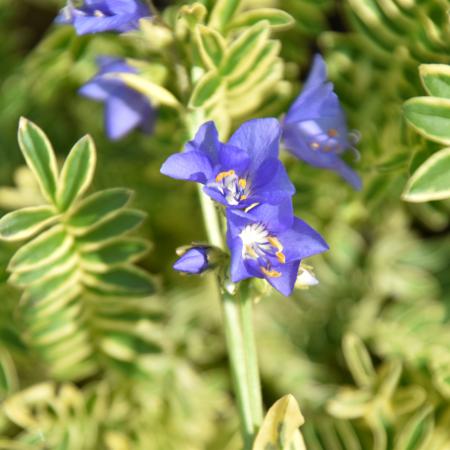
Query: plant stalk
point(238, 324)
point(246, 310)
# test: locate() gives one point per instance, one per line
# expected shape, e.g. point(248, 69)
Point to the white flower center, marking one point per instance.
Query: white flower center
point(258, 244)
point(255, 240)
point(233, 188)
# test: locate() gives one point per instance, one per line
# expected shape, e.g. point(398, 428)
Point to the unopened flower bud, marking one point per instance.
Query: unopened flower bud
point(196, 259)
point(306, 277)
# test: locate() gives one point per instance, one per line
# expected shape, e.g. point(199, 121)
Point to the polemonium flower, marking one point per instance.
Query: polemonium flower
point(315, 127)
point(193, 261)
point(268, 242)
point(95, 16)
point(125, 109)
point(244, 171)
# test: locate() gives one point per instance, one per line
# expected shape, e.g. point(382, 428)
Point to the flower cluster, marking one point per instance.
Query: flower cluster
point(125, 108)
point(245, 175)
point(315, 127)
point(95, 16)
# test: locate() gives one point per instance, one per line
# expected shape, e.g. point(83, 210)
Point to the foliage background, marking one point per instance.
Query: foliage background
point(385, 281)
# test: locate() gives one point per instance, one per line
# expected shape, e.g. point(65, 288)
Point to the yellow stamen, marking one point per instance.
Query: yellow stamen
point(315, 145)
point(98, 13)
point(281, 257)
point(253, 205)
point(270, 273)
point(220, 176)
point(244, 197)
point(332, 132)
point(242, 183)
point(249, 250)
point(275, 242)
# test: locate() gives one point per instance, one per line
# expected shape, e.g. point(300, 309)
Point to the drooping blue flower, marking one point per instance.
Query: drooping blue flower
point(95, 16)
point(244, 171)
point(315, 127)
point(193, 261)
point(267, 241)
point(125, 109)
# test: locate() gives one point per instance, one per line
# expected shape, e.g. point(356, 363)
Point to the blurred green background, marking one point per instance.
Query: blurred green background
point(384, 292)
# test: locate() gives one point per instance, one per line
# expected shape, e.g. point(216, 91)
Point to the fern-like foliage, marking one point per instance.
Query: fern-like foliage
point(84, 302)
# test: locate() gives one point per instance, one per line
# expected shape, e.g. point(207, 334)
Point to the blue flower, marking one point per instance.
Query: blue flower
point(315, 128)
point(193, 261)
point(125, 109)
point(95, 16)
point(267, 241)
point(244, 171)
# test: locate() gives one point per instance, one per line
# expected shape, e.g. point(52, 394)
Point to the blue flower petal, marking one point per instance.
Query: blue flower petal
point(238, 269)
point(260, 138)
point(279, 217)
point(271, 182)
point(96, 16)
point(192, 166)
point(233, 158)
point(124, 112)
point(95, 89)
point(286, 282)
point(194, 261)
point(206, 140)
point(301, 241)
point(318, 73)
point(348, 174)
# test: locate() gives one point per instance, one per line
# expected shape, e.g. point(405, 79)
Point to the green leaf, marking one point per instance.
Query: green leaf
point(264, 63)
point(277, 19)
point(211, 46)
point(244, 51)
point(358, 360)
point(40, 157)
point(8, 375)
point(113, 227)
point(206, 90)
point(430, 116)
point(349, 404)
point(417, 432)
point(77, 173)
point(96, 207)
point(28, 277)
point(279, 429)
point(47, 247)
point(123, 281)
point(223, 12)
point(124, 251)
point(52, 286)
point(193, 14)
point(431, 181)
point(157, 94)
point(408, 399)
point(436, 79)
point(25, 223)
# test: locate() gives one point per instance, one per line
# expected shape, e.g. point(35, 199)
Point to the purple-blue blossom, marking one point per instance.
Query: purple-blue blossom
point(194, 261)
point(268, 242)
point(95, 16)
point(125, 109)
point(244, 171)
point(315, 127)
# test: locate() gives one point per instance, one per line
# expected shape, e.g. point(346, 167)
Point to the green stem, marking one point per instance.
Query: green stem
point(246, 309)
point(236, 351)
point(238, 324)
